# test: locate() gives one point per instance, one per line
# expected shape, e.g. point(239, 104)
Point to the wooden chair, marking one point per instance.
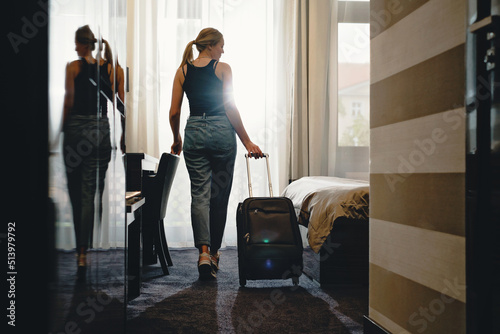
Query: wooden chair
point(156, 190)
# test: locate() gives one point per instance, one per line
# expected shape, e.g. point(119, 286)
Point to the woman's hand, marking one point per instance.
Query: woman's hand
point(254, 150)
point(177, 146)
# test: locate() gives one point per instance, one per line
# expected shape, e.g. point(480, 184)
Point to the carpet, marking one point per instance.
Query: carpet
point(95, 306)
point(180, 303)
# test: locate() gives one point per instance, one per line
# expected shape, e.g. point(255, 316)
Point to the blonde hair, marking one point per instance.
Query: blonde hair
point(85, 36)
point(207, 37)
point(108, 55)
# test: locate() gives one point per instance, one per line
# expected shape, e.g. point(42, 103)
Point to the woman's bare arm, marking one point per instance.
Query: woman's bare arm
point(233, 113)
point(175, 112)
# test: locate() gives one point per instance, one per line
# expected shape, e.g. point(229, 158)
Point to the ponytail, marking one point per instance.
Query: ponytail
point(187, 56)
point(108, 55)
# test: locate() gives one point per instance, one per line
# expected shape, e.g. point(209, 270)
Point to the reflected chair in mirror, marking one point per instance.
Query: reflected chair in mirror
point(156, 190)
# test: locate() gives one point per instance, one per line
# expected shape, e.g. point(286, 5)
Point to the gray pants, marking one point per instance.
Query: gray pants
point(209, 153)
point(86, 152)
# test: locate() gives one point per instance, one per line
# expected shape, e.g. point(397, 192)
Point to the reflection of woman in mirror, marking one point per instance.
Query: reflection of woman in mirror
point(86, 144)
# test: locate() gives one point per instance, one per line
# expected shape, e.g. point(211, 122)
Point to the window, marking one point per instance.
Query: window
point(353, 72)
point(353, 89)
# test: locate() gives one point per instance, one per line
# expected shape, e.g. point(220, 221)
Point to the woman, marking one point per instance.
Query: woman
point(86, 144)
point(210, 142)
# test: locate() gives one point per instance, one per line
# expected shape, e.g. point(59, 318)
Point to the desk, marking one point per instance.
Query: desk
point(134, 245)
point(139, 167)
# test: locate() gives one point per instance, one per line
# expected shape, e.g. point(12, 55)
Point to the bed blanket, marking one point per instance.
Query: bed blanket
point(320, 200)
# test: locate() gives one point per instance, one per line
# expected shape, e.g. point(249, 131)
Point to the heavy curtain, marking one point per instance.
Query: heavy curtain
point(313, 128)
point(142, 103)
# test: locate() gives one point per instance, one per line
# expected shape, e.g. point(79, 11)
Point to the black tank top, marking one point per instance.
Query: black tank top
point(86, 95)
point(204, 90)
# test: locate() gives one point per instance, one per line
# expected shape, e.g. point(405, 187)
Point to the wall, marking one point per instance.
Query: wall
point(25, 236)
point(417, 171)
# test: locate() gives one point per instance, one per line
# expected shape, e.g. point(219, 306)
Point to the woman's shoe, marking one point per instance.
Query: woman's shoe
point(214, 259)
point(82, 267)
point(205, 267)
point(82, 260)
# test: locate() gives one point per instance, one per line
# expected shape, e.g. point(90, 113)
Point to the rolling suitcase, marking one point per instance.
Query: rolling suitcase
point(269, 241)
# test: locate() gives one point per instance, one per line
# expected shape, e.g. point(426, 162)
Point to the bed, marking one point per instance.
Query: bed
point(335, 212)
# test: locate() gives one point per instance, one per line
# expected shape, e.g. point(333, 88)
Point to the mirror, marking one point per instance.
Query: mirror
point(87, 47)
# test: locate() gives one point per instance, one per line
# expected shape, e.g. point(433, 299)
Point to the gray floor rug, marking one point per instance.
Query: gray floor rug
point(180, 303)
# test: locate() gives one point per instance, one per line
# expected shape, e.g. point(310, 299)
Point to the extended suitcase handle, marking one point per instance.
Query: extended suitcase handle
point(250, 192)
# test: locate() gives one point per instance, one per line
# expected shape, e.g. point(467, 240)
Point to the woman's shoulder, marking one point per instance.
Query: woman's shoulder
point(106, 64)
point(182, 70)
point(74, 63)
point(73, 67)
point(223, 65)
point(180, 74)
point(223, 68)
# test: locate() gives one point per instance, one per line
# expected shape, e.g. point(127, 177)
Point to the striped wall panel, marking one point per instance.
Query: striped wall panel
point(431, 29)
point(385, 14)
point(417, 166)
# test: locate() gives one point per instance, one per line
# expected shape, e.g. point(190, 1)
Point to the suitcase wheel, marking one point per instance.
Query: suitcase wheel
point(241, 273)
point(243, 281)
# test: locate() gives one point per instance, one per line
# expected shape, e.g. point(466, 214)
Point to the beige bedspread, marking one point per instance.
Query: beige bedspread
point(320, 200)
